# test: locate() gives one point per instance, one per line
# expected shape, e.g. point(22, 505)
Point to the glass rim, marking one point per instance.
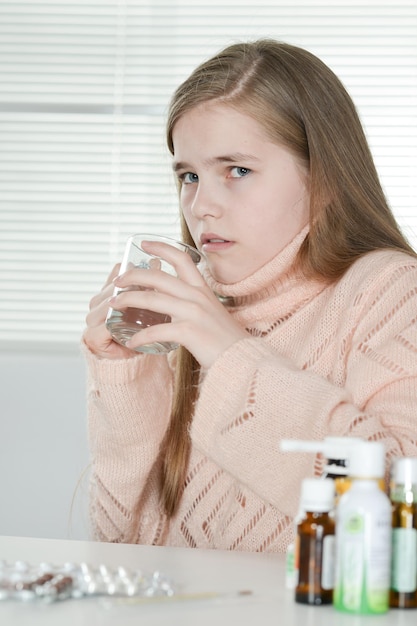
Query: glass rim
point(180, 245)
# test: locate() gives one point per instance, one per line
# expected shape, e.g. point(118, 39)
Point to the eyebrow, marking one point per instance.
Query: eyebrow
point(228, 158)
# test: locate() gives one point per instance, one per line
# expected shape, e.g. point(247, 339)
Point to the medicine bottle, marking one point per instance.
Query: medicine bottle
point(403, 495)
point(336, 452)
point(363, 536)
point(315, 543)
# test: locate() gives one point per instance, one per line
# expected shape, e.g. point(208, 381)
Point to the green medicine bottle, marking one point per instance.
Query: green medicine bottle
point(403, 495)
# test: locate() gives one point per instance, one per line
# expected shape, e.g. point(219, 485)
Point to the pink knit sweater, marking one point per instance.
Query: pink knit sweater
point(322, 360)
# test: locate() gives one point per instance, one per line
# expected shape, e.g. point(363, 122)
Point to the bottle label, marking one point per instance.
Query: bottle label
point(363, 564)
point(404, 560)
point(402, 493)
point(291, 569)
point(328, 562)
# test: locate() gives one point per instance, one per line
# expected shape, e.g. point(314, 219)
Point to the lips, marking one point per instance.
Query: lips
point(212, 239)
point(212, 243)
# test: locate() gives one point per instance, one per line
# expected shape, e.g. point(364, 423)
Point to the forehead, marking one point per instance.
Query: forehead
point(210, 124)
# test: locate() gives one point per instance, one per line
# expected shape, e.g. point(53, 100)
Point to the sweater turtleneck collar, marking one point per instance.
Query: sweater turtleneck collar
point(272, 278)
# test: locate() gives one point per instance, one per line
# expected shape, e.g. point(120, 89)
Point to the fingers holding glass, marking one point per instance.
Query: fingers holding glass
point(124, 322)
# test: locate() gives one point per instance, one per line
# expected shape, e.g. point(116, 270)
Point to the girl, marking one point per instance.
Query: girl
point(303, 324)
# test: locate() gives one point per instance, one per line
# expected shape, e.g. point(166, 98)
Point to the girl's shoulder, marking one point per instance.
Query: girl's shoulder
point(382, 278)
point(379, 266)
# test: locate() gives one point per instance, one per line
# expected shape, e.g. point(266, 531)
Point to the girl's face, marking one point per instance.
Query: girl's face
point(243, 197)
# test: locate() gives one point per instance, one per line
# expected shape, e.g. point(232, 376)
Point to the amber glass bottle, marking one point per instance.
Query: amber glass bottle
point(403, 495)
point(315, 543)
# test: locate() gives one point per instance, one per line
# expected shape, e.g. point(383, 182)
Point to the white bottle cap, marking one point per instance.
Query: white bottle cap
point(339, 447)
point(404, 471)
point(317, 494)
point(367, 460)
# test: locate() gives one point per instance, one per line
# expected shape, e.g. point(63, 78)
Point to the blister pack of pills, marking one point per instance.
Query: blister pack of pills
point(50, 583)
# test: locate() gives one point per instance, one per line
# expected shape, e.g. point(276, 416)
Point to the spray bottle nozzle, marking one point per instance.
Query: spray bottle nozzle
point(331, 447)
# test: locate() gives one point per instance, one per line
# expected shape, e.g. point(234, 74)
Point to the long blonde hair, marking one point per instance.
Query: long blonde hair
point(303, 106)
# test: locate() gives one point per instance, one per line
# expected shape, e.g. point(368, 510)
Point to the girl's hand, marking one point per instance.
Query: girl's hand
point(96, 335)
point(198, 320)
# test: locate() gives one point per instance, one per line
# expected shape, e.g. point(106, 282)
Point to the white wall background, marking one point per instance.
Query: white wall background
point(43, 446)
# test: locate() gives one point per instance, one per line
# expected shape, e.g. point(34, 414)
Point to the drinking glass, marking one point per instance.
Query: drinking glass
point(124, 324)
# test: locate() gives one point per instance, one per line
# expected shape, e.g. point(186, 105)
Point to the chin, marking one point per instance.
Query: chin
point(227, 278)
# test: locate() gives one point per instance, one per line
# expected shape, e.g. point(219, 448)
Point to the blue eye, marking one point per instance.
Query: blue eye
point(189, 177)
point(239, 172)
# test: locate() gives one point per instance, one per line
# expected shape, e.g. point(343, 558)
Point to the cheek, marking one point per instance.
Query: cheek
point(184, 204)
point(186, 198)
point(183, 200)
point(188, 217)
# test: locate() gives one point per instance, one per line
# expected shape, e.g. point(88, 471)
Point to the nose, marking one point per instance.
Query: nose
point(206, 201)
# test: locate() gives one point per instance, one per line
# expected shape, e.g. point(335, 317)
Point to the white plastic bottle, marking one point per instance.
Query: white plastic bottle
point(363, 536)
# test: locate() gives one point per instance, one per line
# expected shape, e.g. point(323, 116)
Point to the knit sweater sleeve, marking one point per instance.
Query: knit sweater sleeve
point(254, 396)
point(128, 417)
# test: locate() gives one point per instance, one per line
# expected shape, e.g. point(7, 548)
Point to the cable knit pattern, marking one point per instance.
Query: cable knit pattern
point(322, 360)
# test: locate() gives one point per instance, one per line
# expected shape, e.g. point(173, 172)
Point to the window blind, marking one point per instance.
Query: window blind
point(84, 88)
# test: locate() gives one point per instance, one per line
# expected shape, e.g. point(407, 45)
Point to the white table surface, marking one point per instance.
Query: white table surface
point(193, 571)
